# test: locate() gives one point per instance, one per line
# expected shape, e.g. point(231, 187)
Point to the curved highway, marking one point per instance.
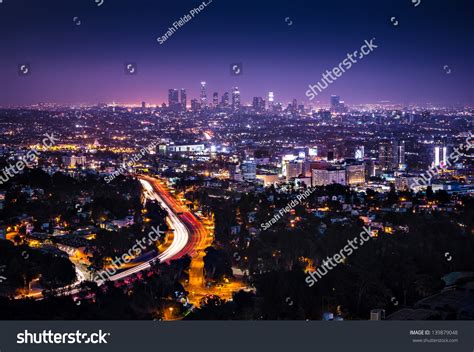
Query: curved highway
point(189, 232)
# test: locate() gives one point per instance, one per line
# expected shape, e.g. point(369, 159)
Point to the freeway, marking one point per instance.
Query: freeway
point(190, 238)
point(189, 233)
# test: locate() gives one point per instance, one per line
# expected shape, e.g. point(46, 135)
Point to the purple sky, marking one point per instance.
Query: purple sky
point(84, 63)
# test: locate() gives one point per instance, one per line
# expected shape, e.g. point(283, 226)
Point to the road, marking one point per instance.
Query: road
point(191, 237)
point(189, 233)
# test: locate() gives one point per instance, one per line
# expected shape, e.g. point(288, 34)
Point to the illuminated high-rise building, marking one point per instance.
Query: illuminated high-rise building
point(195, 106)
point(183, 98)
point(173, 99)
point(360, 152)
point(293, 169)
point(440, 155)
point(399, 154)
point(437, 154)
point(385, 155)
point(392, 154)
point(355, 174)
point(203, 97)
point(335, 101)
point(328, 175)
point(258, 104)
point(249, 169)
point(270, 100)
point(337, 105)
point(215, 99)
point(225, 99)
point(235, 99)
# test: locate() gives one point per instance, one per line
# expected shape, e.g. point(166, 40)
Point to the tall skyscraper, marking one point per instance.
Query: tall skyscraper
point(203, 96)
point(249, 169)
point(258, 104)
point(255, 104)
point(183, 98)
point(392, 154)
point(173, 99)
point(385, 155)
point(399, 156)
point(335, 101)
point(437, 153)
point(270, 100)
point(337, 105)
point(440, 155)
point(195, 106)
point(235, 99)
point(225, 99)
point(355, 174)
point(215, 99)
point(360, 152)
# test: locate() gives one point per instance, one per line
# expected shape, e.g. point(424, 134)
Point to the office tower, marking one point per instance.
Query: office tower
point(392, 155)
point(335, 101)
point(293, 169)
point(271, 98)
point(225, 100)
point(234, 173)
point(325, 115)
point(399, 154)
point(342, 107)
point(355, 174)
point(313, 151)
point(255, 103)
point(195, 106)
point(258, 104)
point(183, 98)
point(215, 99)
point(386, 155)
point(370, 168)
point(440, 155)
point(173, 99)
point(437, 154)
point(143, 105)
point(294, 105)
point(249, 170)
point(203, 96)
point(360, 152)
point(328, 175)
point(337, 105)
point(235, 99)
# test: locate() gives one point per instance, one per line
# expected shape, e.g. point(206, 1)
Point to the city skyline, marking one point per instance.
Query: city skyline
point(80, 51)
point(245, 161)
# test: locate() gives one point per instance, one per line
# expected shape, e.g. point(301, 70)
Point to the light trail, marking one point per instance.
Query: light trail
point(183, 223)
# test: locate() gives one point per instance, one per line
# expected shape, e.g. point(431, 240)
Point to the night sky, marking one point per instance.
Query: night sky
point(85, 63)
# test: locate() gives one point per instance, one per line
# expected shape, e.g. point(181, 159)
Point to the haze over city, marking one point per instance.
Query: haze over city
point(251, 160)
point(76, 50)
